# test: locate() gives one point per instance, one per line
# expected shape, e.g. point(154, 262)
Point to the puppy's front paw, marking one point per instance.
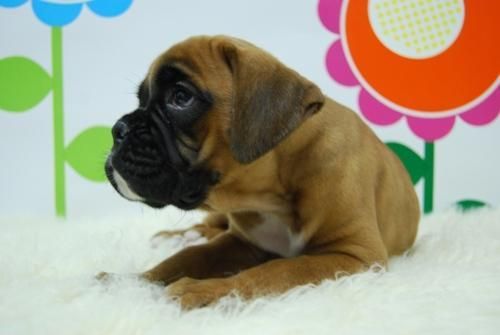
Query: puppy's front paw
point(193, 293)
point(197, 234)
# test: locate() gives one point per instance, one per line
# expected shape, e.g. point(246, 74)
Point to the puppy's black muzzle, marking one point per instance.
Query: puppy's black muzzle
point(146, 155)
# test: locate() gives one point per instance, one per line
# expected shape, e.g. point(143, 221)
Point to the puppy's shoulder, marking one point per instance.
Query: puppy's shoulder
point(334, 128)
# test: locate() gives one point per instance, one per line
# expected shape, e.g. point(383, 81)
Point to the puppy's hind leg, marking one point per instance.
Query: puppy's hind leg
point(212, 226)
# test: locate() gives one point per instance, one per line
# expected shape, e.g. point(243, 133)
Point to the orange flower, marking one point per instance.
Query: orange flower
point(428, 60)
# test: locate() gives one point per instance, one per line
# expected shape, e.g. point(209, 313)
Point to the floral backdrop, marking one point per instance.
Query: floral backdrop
point(430, 64)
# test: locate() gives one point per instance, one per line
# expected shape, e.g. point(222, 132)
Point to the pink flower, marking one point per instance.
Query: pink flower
point(427, 60)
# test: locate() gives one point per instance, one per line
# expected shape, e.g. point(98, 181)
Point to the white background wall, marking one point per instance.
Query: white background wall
point(104, 60)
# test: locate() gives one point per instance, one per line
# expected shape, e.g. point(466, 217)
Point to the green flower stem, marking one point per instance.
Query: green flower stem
point(58, 121)
point(429, 177)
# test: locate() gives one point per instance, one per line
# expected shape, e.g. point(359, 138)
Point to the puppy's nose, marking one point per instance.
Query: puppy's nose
point(120, 130)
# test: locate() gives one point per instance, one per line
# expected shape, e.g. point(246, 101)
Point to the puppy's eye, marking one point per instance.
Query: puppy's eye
point(180, 98)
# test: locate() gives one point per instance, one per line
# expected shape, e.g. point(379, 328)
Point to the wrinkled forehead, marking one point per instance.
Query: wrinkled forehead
point(197, 59)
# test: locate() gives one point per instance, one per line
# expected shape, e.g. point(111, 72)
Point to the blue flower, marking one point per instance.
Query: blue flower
point(58, 13)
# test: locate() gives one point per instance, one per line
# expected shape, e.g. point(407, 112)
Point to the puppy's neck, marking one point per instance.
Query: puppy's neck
point(252, 187)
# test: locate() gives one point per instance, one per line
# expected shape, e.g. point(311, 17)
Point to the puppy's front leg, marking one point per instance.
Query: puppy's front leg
point(223, 256)
point(274, 277)
point(278, 276)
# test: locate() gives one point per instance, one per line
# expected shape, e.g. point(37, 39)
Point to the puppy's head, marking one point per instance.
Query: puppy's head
point(207, 105)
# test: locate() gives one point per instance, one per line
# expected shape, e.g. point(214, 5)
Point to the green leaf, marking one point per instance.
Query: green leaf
point(411, 160)
point(87, 153)
point(23, 84)
point(470, 204)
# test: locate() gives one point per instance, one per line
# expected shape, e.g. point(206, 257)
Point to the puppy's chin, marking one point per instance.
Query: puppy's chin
point(153, 204)
point(187, 200)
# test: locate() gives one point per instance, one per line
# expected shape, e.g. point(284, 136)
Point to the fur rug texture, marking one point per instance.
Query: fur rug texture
point(448, 283)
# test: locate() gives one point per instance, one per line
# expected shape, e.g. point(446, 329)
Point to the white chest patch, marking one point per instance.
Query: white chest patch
point(275, 236)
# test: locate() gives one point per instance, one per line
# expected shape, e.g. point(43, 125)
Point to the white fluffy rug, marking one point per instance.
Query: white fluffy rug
point(449, 283)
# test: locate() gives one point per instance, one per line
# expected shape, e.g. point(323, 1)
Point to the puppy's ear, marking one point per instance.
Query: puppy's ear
point(269, 100)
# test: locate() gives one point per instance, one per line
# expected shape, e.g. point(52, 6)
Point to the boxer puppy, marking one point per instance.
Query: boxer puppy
point(297, 188)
